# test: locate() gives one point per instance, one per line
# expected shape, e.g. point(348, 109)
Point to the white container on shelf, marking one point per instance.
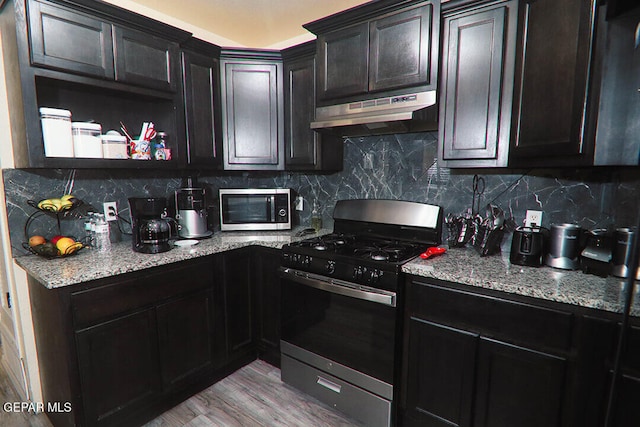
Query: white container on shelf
point(56, 132)
point(114, 146)
point(86, 140)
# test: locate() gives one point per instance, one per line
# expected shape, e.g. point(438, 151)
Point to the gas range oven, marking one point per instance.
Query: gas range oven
point(342, 300)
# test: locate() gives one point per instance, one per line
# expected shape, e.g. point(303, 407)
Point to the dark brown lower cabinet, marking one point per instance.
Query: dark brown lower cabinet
point(122, 350)
point(625, 405)
point(268, 304)
point(185, 333)
point(518, 386)
point(459, 378)
point(118, 366)
point(476, 358)
point(239, 295)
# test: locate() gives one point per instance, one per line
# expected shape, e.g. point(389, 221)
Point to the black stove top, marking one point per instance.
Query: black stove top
point(374, 249)
point(371, 240)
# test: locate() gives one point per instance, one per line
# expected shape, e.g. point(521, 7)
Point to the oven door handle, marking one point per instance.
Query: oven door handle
point(339, 287)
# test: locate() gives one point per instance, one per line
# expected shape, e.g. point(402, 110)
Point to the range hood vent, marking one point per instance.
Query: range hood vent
point(415, 112)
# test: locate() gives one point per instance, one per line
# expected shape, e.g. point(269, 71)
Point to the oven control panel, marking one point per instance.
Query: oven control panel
point(351, 272)
point(367, 275)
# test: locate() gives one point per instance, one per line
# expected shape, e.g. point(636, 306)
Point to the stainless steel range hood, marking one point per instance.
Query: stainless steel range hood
point(414, 112)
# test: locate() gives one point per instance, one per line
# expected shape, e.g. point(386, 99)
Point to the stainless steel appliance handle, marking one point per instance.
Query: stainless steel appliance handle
point(272, 205)
point(339, 287)
point(329, 384)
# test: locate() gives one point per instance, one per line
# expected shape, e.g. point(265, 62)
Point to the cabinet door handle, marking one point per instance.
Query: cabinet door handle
point(329, 384)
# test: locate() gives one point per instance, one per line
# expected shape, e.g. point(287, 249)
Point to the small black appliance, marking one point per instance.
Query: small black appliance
point(149, 226)
point(529, 246)
point(596, 256)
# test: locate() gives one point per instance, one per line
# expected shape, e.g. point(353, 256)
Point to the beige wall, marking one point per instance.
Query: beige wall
point(19, 356)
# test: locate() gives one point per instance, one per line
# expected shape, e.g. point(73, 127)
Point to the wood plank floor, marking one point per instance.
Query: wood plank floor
point(253, 396)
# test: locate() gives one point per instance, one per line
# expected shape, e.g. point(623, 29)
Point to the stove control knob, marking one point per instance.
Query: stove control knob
point(375, 276)
point(330, 267)
point(307, 261)
point(357, 272)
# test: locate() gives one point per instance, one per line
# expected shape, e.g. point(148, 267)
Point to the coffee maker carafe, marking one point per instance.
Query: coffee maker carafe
point(149, 226)
point(191, 213)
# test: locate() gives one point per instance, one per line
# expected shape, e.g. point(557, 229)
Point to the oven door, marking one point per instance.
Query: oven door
point(344, 322)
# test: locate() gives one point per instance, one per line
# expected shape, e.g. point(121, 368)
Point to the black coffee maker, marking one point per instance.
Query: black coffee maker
point(149, 226)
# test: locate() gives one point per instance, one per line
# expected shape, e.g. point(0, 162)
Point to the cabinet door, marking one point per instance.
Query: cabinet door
point(202, 109)
point(477, 81)
point(517, 386)
point(440, 375)
point(63, 39)
point(549, 123)
point(145, 60)
point(268, 304)
point(301, 142)
point(118, 365)
point(625, 406)
point(343, 62)
point(239, 295)
point(400, 51)
point(185, 338)
point(252, 119)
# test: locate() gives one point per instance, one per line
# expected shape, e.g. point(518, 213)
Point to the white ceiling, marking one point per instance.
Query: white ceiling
point(242, 23)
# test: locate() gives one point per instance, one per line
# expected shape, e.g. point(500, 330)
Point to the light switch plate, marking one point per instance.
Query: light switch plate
point(299, 203)
point(533, 219)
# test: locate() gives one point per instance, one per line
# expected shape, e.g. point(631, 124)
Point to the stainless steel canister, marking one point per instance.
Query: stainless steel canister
point(564, 246)
point(621, 257)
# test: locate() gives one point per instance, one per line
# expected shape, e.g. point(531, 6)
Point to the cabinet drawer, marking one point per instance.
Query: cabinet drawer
point(494, 317)
point(93, 305)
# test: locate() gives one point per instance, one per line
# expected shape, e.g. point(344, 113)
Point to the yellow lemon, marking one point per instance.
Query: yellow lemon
point(64, 243)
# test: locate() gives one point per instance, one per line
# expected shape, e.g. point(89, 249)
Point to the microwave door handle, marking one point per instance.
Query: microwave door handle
point(268, 208)
point(272, 213)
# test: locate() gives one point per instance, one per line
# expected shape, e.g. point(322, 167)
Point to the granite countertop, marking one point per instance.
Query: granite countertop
point(464, 265)
point(460, 265)
point(89, 264)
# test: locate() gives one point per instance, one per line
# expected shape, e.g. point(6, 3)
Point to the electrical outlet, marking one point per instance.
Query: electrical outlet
point(110, 211)
point(533, 219)
point(299, 203)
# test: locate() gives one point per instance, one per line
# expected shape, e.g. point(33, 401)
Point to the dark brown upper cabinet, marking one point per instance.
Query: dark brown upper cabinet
point(476, 90)
point(399, 49)
point(101, 62)
point(377, 47)
point(252, 114)
point(517, 83)
point(146, 60)
point(343, 62)
point(86, 48)
point(305, 149)
point(201, 74)
point(74, 41)
point(553, 107)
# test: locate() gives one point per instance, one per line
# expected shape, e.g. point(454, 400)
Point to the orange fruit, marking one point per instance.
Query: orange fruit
point(36, 240)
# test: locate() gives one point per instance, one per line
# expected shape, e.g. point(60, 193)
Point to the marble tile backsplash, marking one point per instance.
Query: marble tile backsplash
point(388, 167)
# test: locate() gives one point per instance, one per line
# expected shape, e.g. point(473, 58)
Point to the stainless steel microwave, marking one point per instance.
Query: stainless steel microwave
point(255, 209)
